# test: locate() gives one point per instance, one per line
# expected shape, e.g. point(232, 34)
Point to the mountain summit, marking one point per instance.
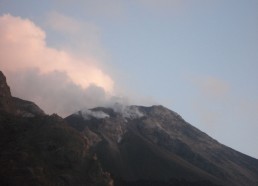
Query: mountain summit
point(155, 146)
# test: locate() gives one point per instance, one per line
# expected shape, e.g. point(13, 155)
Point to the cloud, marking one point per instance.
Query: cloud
point(211, 87)
point(54, 74)
point(83, 38)
point(55, 92)
point(88, 114)
point(27, 48)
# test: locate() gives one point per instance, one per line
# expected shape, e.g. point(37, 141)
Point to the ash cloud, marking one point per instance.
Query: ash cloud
point(88, 114)
point(57, 80)
point(55, 92)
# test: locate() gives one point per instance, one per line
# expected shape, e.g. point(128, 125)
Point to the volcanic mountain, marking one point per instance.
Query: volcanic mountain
point(155, 146)
point(116, 146)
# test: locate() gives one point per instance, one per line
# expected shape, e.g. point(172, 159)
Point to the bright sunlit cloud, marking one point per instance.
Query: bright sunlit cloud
point(57, 80)
point(23, 46)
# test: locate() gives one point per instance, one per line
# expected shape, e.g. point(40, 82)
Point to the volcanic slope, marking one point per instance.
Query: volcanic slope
point(155, 146)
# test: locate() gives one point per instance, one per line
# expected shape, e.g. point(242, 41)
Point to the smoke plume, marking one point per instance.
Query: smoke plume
point(57, 80)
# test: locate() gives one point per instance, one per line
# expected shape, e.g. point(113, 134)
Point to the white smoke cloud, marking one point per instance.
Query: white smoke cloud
point(55, 92)
point(55, 79)
point(130, 112)
point(88, 114)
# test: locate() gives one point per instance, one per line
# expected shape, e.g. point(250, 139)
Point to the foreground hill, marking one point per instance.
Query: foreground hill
point(41, 150)
point(155, 146)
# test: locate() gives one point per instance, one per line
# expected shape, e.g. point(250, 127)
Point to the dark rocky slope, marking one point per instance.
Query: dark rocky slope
point(155, 146)
point(42, 150)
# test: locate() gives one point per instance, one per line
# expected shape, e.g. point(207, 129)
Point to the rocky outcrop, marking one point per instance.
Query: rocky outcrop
point(6, 102)
point(15, 105)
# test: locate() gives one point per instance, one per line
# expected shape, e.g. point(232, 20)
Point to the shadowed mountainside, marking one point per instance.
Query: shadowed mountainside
point(42, 150)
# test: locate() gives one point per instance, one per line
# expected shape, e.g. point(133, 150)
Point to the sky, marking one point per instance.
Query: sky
point(198, 58)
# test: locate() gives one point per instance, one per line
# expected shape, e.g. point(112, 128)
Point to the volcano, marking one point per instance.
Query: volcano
point(112, 146)
point(156, 146)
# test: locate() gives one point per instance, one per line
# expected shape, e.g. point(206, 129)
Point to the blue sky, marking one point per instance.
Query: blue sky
point(198, 58)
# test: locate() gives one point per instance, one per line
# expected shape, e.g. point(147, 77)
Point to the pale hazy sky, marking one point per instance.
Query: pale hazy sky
point(196, 57)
